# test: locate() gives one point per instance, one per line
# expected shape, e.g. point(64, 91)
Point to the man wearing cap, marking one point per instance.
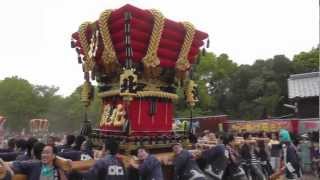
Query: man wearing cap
point(290, 156)
point(185, 166)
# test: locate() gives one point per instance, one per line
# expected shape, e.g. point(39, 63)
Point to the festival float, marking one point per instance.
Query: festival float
point(39, 127)
point(138, 59)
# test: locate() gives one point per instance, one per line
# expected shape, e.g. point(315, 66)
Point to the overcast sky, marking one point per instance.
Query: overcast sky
point(35, 34)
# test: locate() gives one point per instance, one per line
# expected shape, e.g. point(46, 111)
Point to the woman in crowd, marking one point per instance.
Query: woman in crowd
point(275, 151)
point(251, 161)
point(264, 156)
point(290, 156)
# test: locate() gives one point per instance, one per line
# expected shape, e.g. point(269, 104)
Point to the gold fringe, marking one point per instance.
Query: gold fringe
point(85, 93)
point(108, 55)
point(183, 62)
point(88, 62)
point(190, 96)
point(151, 59)
point(140, 94)
point(157, 94)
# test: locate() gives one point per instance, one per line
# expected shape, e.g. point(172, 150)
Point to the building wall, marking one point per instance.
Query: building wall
point(308, 107)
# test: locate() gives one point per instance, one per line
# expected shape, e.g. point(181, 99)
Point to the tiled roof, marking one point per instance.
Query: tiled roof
point(304, 85)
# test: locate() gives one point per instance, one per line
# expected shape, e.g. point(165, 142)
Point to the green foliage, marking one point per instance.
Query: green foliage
point(306, 61)
point(247, 92)
point(21, 101)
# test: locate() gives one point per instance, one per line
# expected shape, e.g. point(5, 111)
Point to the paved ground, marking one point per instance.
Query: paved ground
point(309, 177)
point(305, 177)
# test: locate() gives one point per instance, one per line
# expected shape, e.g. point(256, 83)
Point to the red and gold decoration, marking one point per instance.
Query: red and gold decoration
point(86, 93)
point(137, 58)
point(191, 93)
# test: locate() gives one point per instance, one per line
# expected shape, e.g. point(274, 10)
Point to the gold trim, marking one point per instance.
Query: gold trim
point(157, 94)
point(151, 59)
point(182, 63)
point(189, 93)
point(88, 62)
point(108, 55)
point(86, 91)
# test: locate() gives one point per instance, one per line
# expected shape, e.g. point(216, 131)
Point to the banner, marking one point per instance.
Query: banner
point(258, 126)
point(309, 126)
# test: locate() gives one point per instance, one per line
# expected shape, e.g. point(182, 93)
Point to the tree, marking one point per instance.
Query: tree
point(19, 102)
point(306, 61)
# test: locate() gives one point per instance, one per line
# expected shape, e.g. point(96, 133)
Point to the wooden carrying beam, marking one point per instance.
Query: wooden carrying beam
point(164, 158)
point(67, 165)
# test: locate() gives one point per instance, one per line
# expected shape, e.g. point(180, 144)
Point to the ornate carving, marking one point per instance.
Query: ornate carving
point(128, 84)
point(87, 93)
point(105, 118)
point(113, 117)
point(191, 93)
point(119, 118)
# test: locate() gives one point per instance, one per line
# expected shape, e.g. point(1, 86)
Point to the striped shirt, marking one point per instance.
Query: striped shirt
point(254, 159)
